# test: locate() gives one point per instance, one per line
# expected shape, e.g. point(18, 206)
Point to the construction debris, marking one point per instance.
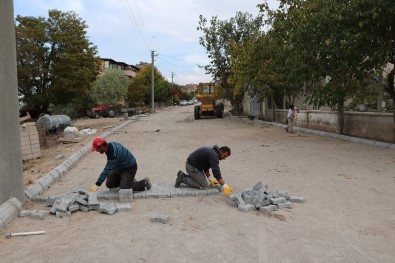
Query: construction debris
point(259, 197)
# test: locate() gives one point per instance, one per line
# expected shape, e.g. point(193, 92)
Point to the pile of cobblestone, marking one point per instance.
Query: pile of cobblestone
point(259, 197)
point(81, 200)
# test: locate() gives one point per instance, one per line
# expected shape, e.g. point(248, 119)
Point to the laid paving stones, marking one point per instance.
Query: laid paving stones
point(259, 197)
point(80, 200)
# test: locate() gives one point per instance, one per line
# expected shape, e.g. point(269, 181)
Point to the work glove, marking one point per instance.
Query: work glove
point(93, 188)
point(212, 181)
point(227, 189)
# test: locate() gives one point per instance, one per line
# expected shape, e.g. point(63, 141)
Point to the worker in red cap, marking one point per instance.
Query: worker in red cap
point(120, 169)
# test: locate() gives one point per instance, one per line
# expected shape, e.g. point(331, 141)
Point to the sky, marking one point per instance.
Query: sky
point(128, 30)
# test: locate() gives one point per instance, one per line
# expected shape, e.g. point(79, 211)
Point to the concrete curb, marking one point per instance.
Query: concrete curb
point(11, 208)
point(336, 136)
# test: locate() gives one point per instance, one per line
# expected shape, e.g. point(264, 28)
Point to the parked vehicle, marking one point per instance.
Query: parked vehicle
point(103, 111)
point(183, 103)
point(190, 102)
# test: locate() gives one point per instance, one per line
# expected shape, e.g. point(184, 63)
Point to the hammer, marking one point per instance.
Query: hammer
point(9, 235)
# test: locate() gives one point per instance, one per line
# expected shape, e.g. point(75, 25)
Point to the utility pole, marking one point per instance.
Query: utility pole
point(11, 174)
point(152, 82)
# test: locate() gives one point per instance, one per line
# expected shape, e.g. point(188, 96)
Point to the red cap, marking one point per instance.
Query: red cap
point(96, 143)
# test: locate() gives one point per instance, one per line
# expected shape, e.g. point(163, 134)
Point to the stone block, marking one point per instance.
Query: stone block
point(296, 199)
point(125, 195)
point(123, 207)
point(73, 208)
point(278, 200)
point(246, 208)
point(107, 208)
point(92, 199)
point(285, 205)
point(268, 208)
point(40, 214)
point(27, 213)
point(161, 218)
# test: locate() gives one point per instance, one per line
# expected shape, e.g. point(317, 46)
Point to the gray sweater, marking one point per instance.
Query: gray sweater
point(205, 158)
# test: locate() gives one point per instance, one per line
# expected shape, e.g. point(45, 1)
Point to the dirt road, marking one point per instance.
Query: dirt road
point(348, 215)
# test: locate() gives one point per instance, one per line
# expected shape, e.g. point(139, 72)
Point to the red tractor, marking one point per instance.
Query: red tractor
point(104, 111)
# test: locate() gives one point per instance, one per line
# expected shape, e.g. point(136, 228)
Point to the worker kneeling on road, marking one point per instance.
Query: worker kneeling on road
point(120, 169)
point(198, 165)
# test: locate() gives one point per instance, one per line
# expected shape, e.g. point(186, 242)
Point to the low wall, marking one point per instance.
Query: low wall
point(369, 125)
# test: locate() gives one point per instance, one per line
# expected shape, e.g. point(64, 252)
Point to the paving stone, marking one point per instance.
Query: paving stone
point(285, 205)
point(51, 200)
point(92, 199)
point(278, 200)
point(268, 208)
point(83, 208)
point(26, 213)
point(123, 207)
point(125, 195)
point(73, 208)
point(139, 195)
point(246, 207)
point(81, 201)
point(40, 214)
point(161, 218)
point(39, 198)
point(107, 208)
point(296, 199)
point(258, 186)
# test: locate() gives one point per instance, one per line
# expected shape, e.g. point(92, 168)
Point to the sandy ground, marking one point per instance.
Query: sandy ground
point(348, 215)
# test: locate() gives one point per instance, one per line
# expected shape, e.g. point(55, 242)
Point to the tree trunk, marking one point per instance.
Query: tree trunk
point(340, 118)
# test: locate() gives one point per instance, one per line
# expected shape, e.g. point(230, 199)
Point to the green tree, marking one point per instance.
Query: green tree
point(111, 88)
point(339, 42)
point(141, 85)
point(221, 39)
point(56, 62)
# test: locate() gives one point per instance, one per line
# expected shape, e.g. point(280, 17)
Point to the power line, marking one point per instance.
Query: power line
point(129, 11)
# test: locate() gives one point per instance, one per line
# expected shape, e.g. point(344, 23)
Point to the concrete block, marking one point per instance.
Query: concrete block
point(296, 199)
point(139, 195)
point(51, 200)
point(9, 210)
point(278, 200)
point(258, 186)
point(246, 208)
point(213, 191)
point(92, 199)
point(46, 181)
point(283, 194)
point(34, 190)
point(40, 214)
point(125, 195)
point(26, 213)
point(153, 193)
point(107, 208)
point(39, 198)
point(123, 207)
point(73, 208)
point(285, 205)
point(55, 175)
point(84, 208)
point(161, 218)
point(268, 208)
point(263, 202)
point(231, 203)
point(81, 201)
point(93, 207)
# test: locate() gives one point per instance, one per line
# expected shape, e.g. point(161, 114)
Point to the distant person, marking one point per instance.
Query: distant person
point(290, 117)
point(121, 167)
point(198, 165)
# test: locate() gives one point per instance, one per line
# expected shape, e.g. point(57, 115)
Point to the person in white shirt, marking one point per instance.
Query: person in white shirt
point(291, 116)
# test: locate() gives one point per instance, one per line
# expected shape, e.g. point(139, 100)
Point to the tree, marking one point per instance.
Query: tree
point(111, 88)
point(338, 41)
point(56, 62)
point(141, 85)
point(221, 39)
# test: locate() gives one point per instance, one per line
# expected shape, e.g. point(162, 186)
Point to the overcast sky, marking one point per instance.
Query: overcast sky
point(127, 30)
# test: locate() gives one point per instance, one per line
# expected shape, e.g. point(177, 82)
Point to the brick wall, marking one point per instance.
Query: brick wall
point(29, 141)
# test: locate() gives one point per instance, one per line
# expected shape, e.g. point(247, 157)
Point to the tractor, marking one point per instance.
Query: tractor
point(207, 94)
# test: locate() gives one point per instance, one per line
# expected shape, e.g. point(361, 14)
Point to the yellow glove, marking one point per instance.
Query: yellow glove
point(227, 189)
point(212, 181)
point(93, 188)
